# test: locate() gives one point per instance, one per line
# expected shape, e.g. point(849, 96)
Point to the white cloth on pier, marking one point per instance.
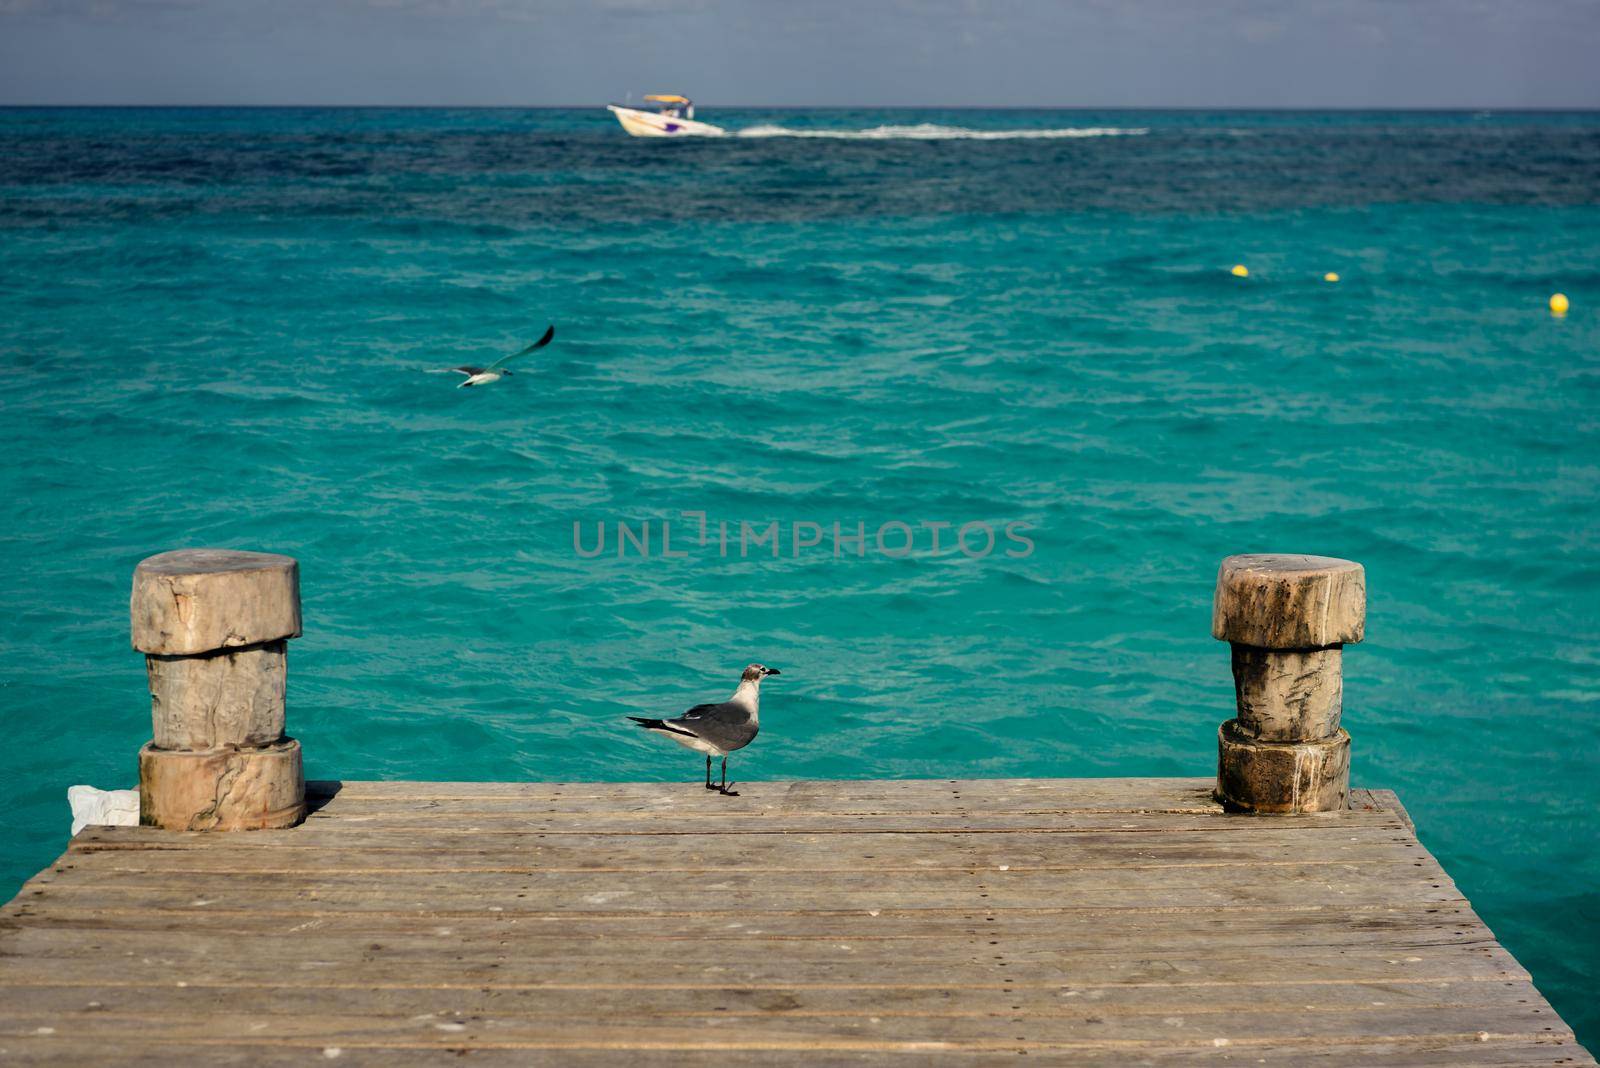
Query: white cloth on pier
point(102, 808)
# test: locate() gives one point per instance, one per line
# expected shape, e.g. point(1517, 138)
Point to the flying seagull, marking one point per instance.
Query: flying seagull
point(717, 730)
point(482, 376)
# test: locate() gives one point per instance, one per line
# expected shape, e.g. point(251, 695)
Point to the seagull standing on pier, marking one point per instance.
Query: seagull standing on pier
point(717, 730)
point(483, 376)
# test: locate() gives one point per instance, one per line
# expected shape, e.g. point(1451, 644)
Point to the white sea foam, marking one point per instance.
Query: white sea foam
point(927, 131)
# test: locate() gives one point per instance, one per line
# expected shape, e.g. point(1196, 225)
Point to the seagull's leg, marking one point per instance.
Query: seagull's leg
point(724, 789)
point(709, 784)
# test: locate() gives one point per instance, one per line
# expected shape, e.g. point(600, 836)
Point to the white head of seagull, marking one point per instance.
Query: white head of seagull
point(750, 683)
point(718, 729)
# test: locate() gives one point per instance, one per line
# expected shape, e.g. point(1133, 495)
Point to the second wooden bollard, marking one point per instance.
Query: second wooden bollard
point(1288, 619)
point(213, 625)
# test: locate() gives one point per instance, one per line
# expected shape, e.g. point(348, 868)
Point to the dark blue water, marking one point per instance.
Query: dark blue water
point(214, 326)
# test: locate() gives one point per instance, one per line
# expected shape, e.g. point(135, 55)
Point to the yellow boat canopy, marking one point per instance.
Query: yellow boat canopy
point(666, 98)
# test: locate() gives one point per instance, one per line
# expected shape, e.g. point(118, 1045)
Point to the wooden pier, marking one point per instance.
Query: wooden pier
point(1269, 916)
point(1116, 922)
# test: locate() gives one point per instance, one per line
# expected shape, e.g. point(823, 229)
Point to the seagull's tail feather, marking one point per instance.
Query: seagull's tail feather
point(660, 725)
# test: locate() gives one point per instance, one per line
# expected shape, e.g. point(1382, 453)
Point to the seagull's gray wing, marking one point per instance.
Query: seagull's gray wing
point(541, 343)
point(468, 371)
point(704, 711)
point(727, 726)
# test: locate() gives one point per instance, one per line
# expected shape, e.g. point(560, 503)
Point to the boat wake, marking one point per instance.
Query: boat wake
point(927, 131)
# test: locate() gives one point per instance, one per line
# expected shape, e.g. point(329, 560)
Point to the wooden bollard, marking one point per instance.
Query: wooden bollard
point(214, 626)
point(1288, 618)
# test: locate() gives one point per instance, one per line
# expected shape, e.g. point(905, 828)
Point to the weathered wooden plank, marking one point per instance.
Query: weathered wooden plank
point(293, 995)
point(1381, 801)
point(326, 827)
point(712, 1032)
point(1122, 795)
point(253, 920)
point(1314, 925)
point(491, 944)
point(1394, 1052)
point(868, 966)
point(819, 1039)
point(720, 854)
point(1305, 836)
point(680, 895)
point(1314, 881)
point(908, 934)
point(697, 802)
point(1114, 847)
point(730, 820)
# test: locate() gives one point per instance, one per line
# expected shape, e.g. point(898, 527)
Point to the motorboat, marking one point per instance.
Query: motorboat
point(673, 117)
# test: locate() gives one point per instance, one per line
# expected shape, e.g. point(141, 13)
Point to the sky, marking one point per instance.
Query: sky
point(1058, 53)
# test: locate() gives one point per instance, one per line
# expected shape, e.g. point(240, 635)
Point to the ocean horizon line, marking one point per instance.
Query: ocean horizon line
point(1131, 108)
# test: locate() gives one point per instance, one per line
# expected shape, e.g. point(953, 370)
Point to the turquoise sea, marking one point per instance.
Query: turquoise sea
point(214, 327)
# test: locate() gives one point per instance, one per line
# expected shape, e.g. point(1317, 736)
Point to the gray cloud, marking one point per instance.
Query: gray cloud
point(1357, 53)
point(95, 9)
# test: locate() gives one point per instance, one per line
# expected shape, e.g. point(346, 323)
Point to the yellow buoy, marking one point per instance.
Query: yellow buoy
point(1240, 271)
point(1331, 276)
point(1558, 304)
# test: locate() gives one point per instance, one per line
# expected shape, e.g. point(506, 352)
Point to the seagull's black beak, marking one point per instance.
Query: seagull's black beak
point(773, 671)
point(506, 373)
